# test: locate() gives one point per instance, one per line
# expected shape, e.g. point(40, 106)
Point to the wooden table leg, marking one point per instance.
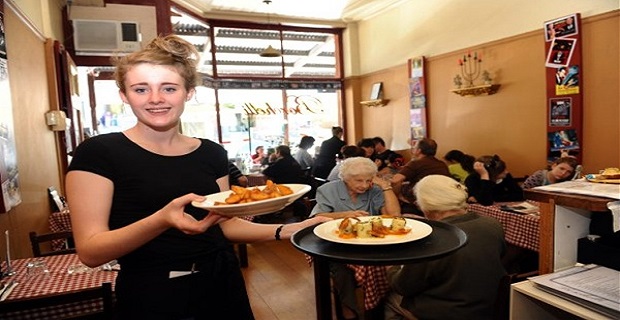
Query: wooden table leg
point(322, 289)
point(546, 245)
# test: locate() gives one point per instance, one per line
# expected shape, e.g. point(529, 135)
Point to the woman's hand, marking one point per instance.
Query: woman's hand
point(176, 217)
point(382, 183)
point(481, 170)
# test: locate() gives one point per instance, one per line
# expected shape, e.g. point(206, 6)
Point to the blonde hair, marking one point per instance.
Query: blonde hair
point(436, 193)
point(170, 50)
point(357, 166)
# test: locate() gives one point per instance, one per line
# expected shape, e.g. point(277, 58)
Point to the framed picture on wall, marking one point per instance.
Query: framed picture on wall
point(375, 92)
point(561, 27)
point(560, 112)
point(560, 52)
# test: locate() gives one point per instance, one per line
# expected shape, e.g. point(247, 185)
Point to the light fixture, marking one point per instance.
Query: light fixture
point(269, 52)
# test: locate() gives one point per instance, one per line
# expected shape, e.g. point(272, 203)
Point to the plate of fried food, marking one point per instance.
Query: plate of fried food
point(252, 201)
point(373, 230)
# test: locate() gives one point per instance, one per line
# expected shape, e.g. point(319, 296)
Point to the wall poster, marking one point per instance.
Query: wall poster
point(417, 96)
point(9, 177)
point(559, 112)
point(564, 94)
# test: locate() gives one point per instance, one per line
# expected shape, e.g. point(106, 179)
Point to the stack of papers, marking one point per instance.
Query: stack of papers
point(592, 286)
point(584, 187)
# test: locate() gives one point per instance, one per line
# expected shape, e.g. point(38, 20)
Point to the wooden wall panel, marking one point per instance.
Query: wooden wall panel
point(36, 149)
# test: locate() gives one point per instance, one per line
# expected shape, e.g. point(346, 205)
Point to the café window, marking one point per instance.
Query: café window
point(246, 99)
point(264, 117)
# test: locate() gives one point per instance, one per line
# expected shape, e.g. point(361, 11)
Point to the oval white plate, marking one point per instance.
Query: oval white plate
point(329, 231)
point(251, 208)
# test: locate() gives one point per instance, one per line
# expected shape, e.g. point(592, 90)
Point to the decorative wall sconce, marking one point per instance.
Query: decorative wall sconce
point(471, 67)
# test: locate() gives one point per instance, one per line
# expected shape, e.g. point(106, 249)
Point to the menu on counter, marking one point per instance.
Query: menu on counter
point(592, 286)
point(584, 187)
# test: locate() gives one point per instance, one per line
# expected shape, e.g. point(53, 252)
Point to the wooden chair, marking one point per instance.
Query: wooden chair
point(65, 237)
point(43, 306)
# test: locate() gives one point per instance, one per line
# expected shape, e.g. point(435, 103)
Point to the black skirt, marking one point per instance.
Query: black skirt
point(215, 290)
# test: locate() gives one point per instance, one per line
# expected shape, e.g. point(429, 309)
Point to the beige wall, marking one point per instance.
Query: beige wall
point(35, 143)
point(44, 15)
point(511, 123)
point(430, 28)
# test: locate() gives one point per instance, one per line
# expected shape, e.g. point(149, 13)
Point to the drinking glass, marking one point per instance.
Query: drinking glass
point(37, 267)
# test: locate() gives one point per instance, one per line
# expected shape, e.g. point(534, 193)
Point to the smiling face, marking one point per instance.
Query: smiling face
point(156, 94)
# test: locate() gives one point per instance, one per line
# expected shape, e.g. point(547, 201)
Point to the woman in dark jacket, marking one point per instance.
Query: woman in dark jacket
point(491, 182)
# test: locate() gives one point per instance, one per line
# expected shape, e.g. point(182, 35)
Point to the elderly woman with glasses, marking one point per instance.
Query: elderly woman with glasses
point(359, 192)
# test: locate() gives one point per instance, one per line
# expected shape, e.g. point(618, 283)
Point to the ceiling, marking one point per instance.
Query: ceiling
point(313, 10)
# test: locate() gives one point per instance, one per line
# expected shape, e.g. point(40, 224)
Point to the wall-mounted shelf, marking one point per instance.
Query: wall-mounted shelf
point(375, 103)
point(487, 89)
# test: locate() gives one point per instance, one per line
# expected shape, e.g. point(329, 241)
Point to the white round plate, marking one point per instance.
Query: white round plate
point(251, 208)
point(329, 231)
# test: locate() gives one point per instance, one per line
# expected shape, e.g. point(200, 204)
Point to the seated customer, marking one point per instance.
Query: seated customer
point(347, 152)
point(459, 164)
point(382, 154)
point(285, 168)
point(359, 193)
point(461, 285)
point(491, 182)
point(394, 162)
point(302, 156)
point(422, 164)
point(368, 146)
point(562, 169)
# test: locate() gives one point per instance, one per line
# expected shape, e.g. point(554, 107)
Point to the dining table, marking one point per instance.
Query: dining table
point(443, 240)
point(65, 274)
point(521, 230)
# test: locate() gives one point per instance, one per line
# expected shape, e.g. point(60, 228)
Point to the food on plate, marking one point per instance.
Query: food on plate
point(363, 229)
point(350, 228)
point(610, 173)
point(245, 195)
point(399, 224)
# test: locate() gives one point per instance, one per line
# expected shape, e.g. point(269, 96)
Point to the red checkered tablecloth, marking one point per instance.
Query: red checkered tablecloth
point(59, 221)
point(521, 230)
point(57, 281)
point(373, 281)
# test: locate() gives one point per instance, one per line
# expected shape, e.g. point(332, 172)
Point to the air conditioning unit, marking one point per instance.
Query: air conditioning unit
point(104, 38)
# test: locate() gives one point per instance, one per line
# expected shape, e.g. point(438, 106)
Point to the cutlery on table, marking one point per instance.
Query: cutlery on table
point(7, 290)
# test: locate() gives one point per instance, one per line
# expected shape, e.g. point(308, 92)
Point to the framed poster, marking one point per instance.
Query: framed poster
point(560, 53)
point(375, 92)
point(560, 112)
point(561, 27)
point(417, 99)
point(563, 70)
point(9, 175)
